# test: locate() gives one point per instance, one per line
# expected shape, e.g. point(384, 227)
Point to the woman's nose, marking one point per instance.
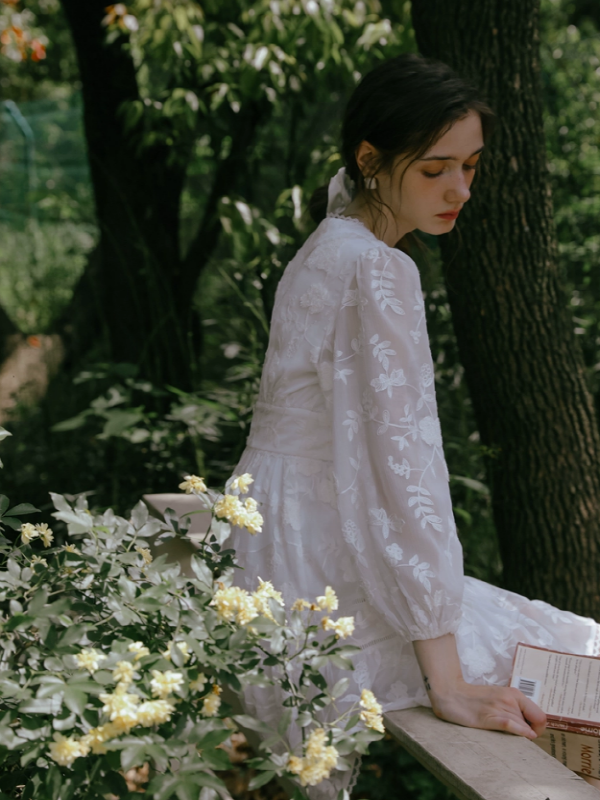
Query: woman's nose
point(460, 191)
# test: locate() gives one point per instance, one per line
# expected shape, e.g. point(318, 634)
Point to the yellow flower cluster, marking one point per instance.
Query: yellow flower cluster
point(183, 647)
point(371, 713)
point(139, 649)
point(212, 702)
point(198, 684)
point(64, 750)
point(343, 627)
point(233, 603)
point(243, 515)
point(328, 601)
point(123, 708)
point(30, 532)
point(145, 554)
point(163, 683)
point(265, 592)
point(124, 672)
point(241, 483)
point(192, 484)
point(89, 659)
point(318, 760)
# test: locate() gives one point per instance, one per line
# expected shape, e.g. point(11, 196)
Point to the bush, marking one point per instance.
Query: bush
point(111, 659)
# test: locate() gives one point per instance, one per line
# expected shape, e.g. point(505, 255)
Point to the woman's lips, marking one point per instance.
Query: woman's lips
point(449, 215)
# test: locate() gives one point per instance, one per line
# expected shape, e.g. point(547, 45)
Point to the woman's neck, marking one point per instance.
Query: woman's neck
point(380, 222)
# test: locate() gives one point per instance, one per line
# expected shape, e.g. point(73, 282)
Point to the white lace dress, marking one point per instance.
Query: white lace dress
point(346, 453)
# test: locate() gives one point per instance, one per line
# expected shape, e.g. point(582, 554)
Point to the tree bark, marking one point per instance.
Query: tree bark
point(516, 341)
point(137, 203)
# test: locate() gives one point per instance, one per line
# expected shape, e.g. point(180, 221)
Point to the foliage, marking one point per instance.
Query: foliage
point(84, 700)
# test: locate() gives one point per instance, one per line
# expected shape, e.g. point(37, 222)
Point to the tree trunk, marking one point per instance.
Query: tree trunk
point(522, 362)
point(137, 204)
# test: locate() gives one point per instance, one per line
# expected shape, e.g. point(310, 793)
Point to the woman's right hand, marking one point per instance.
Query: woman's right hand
point(497, 708)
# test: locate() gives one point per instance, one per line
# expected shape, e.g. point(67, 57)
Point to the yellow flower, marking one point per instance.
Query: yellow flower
point(95, 738)
point(192, 484)
point(241, 483)
point(300, 604)
point(232, 509)
point(37, 560)
point(145, 554)
point(89, 659)
point(211, 705)
point(45, 533)
point(139, 649)
point(163, 683)
point(28, 532)
point(371, 713)
point(295, 765)
point(250, 505)
point(198, 684)
point(154, 712)
point(328, 601)
point(121, 709)
point(181, 646)
point(70, 548)
point(343, 627)
point(318, 761)
point(232, 603)
point(64, 750)
point(124, 672)
point(262, 595)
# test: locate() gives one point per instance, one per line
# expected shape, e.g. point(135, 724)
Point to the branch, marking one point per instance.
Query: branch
point(226, 176)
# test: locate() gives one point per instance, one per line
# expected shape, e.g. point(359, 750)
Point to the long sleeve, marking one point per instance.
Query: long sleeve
point(391, 476)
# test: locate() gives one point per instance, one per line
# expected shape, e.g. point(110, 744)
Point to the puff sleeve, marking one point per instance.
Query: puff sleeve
point(390, 472)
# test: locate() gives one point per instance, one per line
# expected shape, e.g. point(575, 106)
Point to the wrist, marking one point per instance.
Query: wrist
point(440, 666)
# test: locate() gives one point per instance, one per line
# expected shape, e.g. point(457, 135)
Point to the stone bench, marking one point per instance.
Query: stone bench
point(473, 764)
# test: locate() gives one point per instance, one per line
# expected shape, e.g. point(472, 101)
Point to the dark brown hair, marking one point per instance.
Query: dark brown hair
point(402, 107)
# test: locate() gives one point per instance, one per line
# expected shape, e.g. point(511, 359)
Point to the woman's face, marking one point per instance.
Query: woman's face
point(428, 194)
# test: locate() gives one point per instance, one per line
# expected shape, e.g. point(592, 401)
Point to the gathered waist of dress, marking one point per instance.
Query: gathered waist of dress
point(292, 431)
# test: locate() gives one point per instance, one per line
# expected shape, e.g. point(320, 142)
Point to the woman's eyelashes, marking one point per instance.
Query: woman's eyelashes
point(466, 167)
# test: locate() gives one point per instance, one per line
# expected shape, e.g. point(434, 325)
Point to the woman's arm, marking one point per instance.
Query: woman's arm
point(474, 706)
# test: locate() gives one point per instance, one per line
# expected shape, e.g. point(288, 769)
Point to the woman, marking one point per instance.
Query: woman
point(345, 446)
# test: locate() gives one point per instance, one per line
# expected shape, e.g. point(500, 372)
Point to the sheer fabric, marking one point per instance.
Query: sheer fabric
point(346, 452)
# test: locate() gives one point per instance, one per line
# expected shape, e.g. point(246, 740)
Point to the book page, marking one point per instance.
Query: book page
point(561, 684)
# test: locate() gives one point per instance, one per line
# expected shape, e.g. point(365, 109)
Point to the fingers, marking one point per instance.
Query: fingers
point(517, 727)
point(532, 713)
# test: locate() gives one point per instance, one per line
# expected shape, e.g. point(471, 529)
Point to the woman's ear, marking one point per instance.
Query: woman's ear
point(365, 153)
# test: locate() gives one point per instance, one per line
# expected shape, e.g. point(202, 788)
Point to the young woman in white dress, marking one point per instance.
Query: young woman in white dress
point(345, 445)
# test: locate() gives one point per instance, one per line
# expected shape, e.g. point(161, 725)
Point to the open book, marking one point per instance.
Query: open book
point(567, 688)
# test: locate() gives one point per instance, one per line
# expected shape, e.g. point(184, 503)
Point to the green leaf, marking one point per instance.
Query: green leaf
point(216, 759)
point(340, 688)
point(212, 739)
point(48, 705)
point(202, 572)
point(284, 722)
point(352, 722)
point(12, 522)
point(75, 700)
point(246, 721)
point(260, 780)
point(38, 601)
point(4, 503)
point(186, 790)
point(133, 756)
point(22, 508)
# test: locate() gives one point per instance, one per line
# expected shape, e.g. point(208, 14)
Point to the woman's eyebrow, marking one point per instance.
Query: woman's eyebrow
point(449, 158)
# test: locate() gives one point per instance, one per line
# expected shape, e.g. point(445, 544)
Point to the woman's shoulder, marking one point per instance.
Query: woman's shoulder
point(344, 241)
